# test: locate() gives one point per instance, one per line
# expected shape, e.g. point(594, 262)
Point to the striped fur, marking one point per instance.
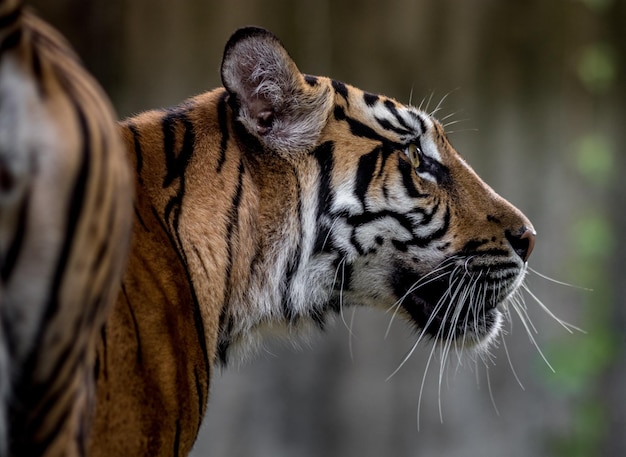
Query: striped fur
point(271, 204)
point(65, 220)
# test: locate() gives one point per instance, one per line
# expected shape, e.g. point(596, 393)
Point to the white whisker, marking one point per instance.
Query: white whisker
point(419, 398)
point(419, 283)
point(351, 334)
point(556, 281)
point(456, 121)
point(448, 116)
point(452, 132)
point(532, 338)
point(508, 356)
point(493, 401)
point(342, 265)
point(567, 326)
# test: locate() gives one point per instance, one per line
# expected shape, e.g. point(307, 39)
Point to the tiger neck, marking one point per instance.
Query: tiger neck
point(242, 224)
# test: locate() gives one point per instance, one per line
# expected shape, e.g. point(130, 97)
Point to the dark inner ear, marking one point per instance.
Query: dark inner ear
point(265, 119)
point(273, 100)
point(261, 112)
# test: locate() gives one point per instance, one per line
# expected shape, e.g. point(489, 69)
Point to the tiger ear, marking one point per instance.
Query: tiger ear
point(273, 100)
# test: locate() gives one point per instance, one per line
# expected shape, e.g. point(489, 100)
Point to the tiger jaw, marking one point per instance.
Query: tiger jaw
point(459, 305)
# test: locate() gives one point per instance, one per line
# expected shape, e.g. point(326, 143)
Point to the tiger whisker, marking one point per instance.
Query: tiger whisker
point(448, 116)
point(566, 325)
point(443, 99)
point(508, 357)
point(427, 102)
point(438, 306)
point(342, 265)
point(419, 283)
point(330, 231)
point(556, 281)
point(456, 121)
point(351, 334)
point(531, 337)
point(452, 132)
point(493, 400)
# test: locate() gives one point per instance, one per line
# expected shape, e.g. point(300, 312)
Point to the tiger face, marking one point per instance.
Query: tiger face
point(418, 231)
point(399, 220)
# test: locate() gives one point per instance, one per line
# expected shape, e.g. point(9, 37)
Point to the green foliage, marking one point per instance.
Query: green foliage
point(587, 430)
point(595, 159)
point(597, 67)
point(598, 6)
point(582, 362)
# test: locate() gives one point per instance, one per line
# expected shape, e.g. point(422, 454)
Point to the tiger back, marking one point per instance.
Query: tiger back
point(65, 219)
point(269, 205)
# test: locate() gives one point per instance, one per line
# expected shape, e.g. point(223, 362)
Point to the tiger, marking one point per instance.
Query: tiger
point(66, 215)
point(266, 207)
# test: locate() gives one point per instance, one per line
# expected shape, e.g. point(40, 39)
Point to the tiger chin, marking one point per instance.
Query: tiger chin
point(274, 202)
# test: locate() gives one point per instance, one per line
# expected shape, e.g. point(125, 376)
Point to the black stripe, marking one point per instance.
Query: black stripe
point(224, 342)
point(11, 17)
point(233, 224)
point(365, 174)
point(8, 262)
point(340, 88)
point(176, 168)
point(294, 262)
point(27, 445)
point(131, 311)
point(355, 243)
point(359, 129)
point(408, 176)
point(138, 151)
point(177, 438)
point(419, 119)
point(424, 241)
point(310, 80)
point(11, 40)
point(394, 110)
point(140, 219)
point(437, 170)
point(176, 165)
point(384, 123)
point(223, 125)
point(370, 99)
point(102, 362)
point(344, 276)
point(37, 70)
point(199, 325)
point(367, 218)
point(14, 36)
point(324, 154)
point(200, 392)
point(325, 162)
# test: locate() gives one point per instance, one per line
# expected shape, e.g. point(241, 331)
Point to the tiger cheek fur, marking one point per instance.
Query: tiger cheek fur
point(270, 204)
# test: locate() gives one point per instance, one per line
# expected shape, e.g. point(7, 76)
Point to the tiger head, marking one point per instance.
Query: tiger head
point(387, 213)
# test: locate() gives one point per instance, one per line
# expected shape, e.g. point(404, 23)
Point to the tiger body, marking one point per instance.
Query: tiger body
point(269, 205)
point(65, 221)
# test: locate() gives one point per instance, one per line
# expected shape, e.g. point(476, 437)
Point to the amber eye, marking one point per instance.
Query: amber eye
point(414, 155)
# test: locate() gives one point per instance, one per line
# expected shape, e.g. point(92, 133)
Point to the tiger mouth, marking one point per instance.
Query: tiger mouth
point(470, 314)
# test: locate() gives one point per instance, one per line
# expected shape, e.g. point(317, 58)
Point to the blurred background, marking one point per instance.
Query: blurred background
point(537, 93)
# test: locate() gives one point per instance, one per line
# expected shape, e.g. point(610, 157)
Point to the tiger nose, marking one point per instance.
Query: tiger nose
point(522, 242)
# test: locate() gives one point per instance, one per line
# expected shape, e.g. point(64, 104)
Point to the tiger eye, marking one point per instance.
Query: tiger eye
point(414, 155)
